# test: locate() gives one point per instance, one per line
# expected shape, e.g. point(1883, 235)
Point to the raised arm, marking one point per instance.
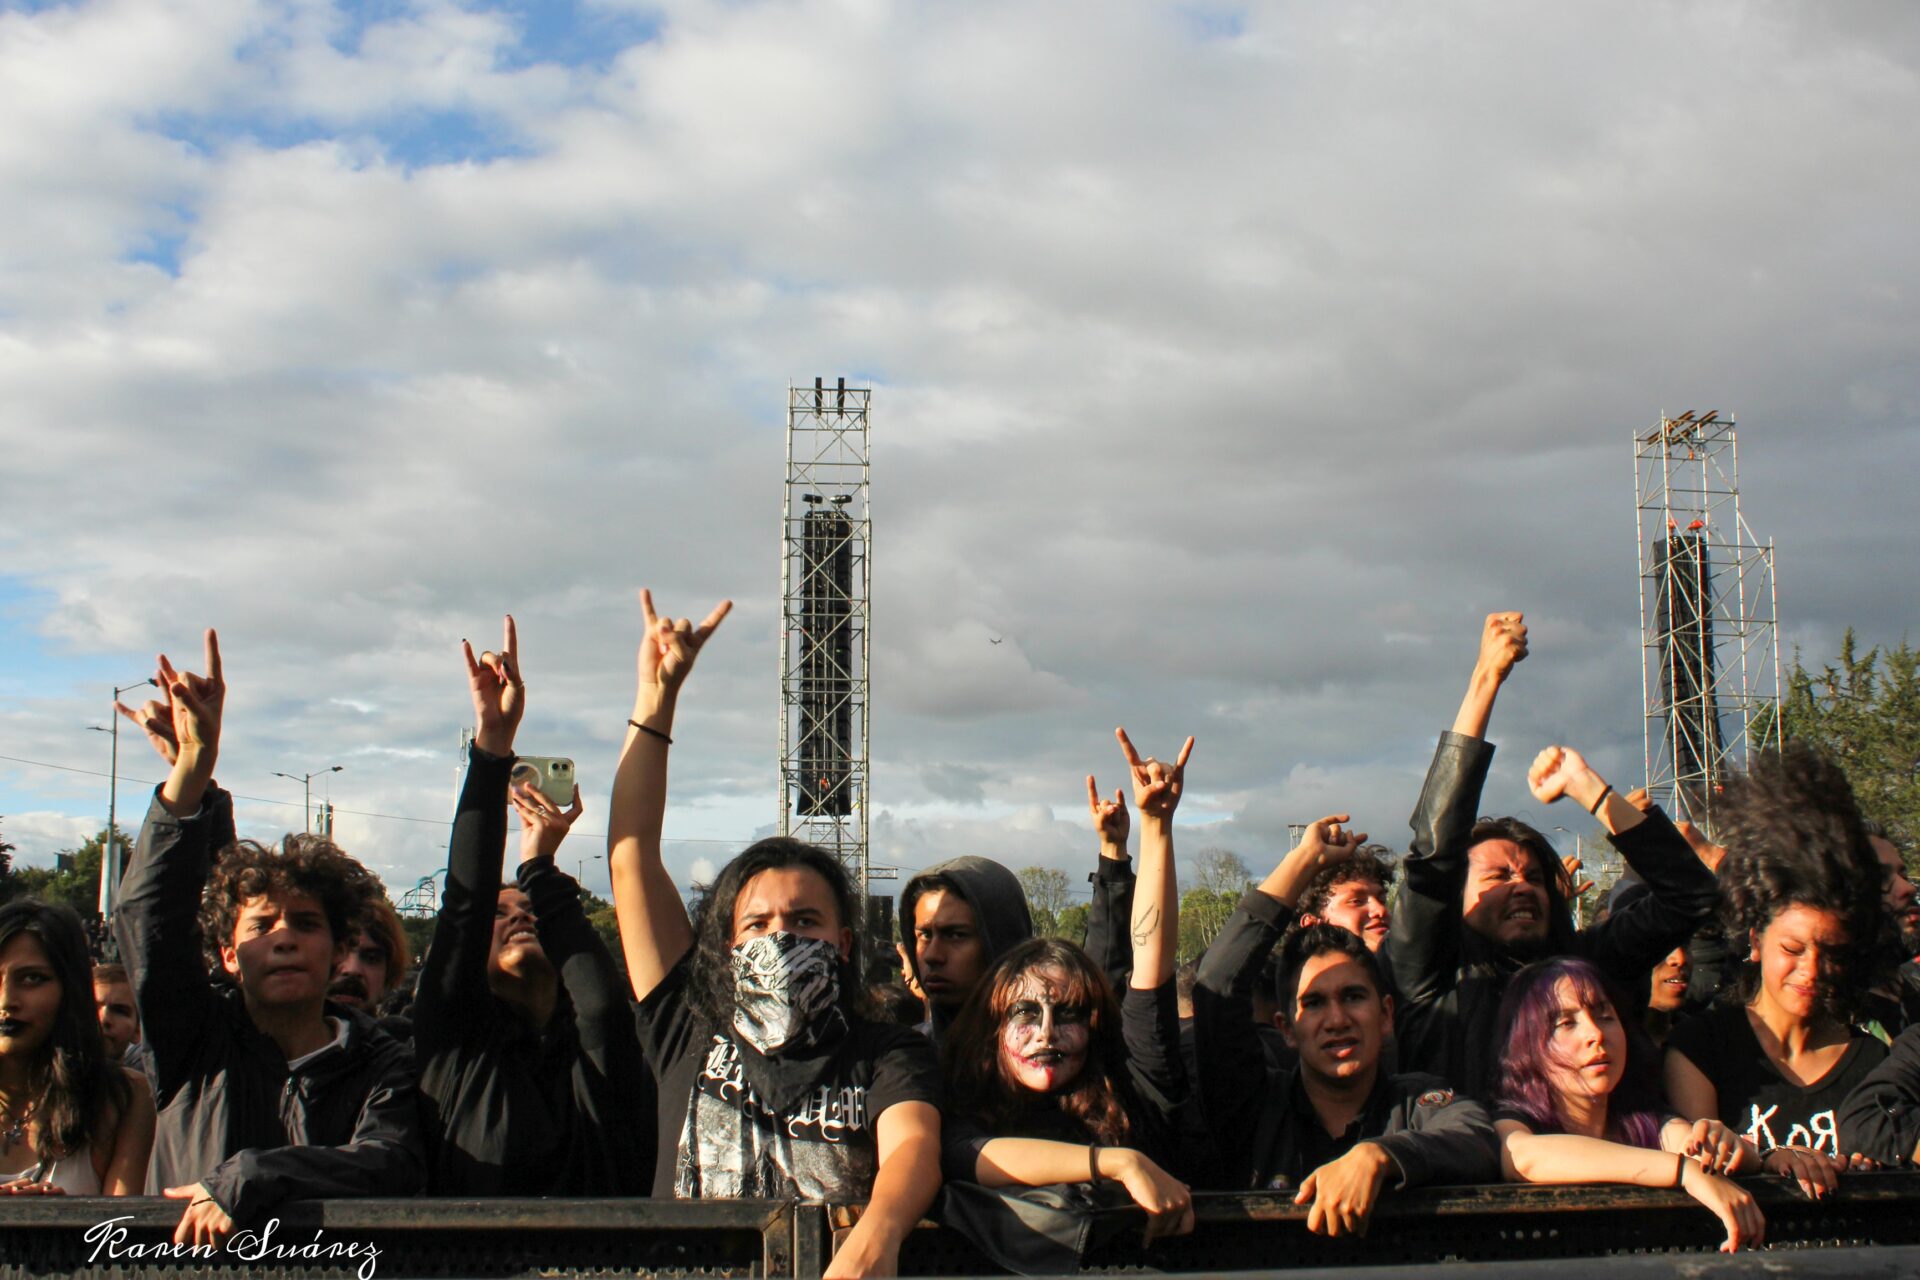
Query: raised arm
point(1156, 900)
point(586, 969)
point(655, 931)
point(1108, 941)
point(453, 981)
point(1426, 912)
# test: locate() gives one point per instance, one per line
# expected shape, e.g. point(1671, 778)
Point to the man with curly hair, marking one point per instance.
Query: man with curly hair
point(266, 1092)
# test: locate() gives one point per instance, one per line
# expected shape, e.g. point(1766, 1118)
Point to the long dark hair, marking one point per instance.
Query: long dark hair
point(1794, 837)
point(710, 975)
point(970, 1051)
point(81, 1084)
point(1560, 929)
point(1527, 1013)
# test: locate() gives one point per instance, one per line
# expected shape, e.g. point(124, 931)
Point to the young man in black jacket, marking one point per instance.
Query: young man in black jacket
point(265, 1092)
point(531, 1072)
point(1336, 1127)
point(1480, 898)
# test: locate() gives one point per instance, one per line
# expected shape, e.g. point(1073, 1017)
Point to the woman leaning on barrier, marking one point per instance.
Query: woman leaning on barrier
point(1051, 1078)
point(1801, 893)
point(1579, 1101)
point(771, 1082)
point(72, 1121)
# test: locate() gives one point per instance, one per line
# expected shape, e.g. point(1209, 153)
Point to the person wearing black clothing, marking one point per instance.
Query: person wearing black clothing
point(772, 1083)
point(1335, 1126)
point(958, 917)
point(1056, 1081)
point(266, 1092)
point(1479, 899)
point(1880, 1118)
point(1894, 1005)
point(531, 1072)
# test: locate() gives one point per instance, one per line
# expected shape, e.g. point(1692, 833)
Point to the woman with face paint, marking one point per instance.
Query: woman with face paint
point(771, 1082)
point(1057, 1080)
point(1579, 1101)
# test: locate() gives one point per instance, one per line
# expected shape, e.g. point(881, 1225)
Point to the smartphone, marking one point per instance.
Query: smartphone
point(551, 776)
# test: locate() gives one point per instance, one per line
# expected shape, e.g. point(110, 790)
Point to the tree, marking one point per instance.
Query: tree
point(1072, 924)
point(1221, 871)
point(1220, 878)
point(1865, 712)
point(8, 886)
point(1049, 893)
point(75, 876)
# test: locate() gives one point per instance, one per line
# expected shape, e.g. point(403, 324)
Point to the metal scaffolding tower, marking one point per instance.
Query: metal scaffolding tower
point(825, 612)
point(1710, 668)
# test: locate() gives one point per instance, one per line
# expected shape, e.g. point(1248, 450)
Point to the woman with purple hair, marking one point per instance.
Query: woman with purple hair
point(1579, 1101)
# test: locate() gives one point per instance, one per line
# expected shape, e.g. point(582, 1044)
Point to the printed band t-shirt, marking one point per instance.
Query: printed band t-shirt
point(716, 1136)
point(1756, 1101)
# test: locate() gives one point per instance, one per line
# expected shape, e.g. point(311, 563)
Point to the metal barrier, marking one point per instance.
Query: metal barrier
point(1871, 1225)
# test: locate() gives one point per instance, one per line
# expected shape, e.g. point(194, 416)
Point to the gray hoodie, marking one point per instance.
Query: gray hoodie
point(999, 912)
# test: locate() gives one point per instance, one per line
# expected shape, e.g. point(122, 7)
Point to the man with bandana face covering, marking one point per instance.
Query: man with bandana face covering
point(770, 1082)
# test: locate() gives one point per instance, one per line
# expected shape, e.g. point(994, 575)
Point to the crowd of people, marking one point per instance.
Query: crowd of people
point(1743, 1004)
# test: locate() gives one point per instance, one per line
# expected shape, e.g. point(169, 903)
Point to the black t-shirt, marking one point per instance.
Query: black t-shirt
point(716, 1137)
point(1756, 1101)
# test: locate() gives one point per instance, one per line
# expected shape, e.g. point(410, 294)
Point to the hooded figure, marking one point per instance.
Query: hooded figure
point(974, 911)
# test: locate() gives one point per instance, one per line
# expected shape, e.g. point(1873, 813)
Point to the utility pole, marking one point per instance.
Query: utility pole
point(306, 780)
point(110, 860)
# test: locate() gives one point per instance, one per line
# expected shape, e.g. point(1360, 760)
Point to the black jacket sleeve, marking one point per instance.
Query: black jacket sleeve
point(1627, 944)
point(453, 981)
point(385, 1157)
point(1233, 1071)
point(1107, 918)
point(601, 1006)
point(1881, 1117)
point(1150, 1024)
point(1425, 934)
point(158, 925)
point(1447, 1140)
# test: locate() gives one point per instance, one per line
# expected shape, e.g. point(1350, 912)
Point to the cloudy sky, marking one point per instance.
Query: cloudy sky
point(1231, 362)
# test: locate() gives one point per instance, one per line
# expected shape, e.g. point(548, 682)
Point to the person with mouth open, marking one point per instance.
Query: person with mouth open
point(1479, 898)
point(1053, 1078)
point(530, 1067)
point(1336, 1126)
point(1580, 1101)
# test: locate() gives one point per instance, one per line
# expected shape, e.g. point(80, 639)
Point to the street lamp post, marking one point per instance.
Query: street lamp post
point(579, 870)
point(306, 780)
point(1579, 905)
point(110, 855)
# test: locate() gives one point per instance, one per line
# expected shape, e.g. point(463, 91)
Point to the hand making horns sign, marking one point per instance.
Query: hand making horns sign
point(1156, 786)
point(671, 644)
point(1109, 816)
point(499, 695)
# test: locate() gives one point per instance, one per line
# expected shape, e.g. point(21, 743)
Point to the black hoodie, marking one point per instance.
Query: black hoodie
point(999, 913)
point(231, 1113)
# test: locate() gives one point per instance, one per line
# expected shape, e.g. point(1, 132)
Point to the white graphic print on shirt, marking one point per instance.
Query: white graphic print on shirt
point(733, 1145)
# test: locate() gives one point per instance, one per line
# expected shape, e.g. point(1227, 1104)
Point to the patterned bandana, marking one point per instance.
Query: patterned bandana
point(786, 992)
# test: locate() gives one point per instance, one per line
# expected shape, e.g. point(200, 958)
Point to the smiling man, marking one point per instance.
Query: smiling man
point(1480, 897)
point(1336, 1127)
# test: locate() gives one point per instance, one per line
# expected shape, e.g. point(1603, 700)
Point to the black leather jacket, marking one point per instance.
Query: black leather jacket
point(1451, 980)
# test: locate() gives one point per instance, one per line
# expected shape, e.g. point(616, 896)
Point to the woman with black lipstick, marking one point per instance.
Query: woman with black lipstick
point(72, 1122)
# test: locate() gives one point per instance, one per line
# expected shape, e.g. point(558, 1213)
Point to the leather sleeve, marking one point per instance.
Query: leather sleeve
point(1425, 950)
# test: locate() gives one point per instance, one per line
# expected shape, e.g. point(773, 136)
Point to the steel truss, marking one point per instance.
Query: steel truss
point(1710, 668)
point(825, 617)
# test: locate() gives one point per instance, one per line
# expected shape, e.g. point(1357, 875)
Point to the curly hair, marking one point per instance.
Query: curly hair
point(1527, 1014)
point(1370, 862)
point(83, 1087)
point(311, 865)
point(1794, 837)
point(979, 1085)
point(710, 973)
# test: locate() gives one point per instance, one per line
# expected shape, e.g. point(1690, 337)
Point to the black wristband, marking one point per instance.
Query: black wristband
point(1093, 1162)
point(651, 730)
point(1595, 811)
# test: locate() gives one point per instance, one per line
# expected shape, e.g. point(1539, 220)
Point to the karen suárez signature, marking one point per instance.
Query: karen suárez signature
point(109, 1240)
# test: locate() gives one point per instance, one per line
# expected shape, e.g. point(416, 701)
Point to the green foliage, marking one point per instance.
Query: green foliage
point(1072, 924)
point(1049, 897)
point(74, 879)
point(1864, 710)
point(1220, 879)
